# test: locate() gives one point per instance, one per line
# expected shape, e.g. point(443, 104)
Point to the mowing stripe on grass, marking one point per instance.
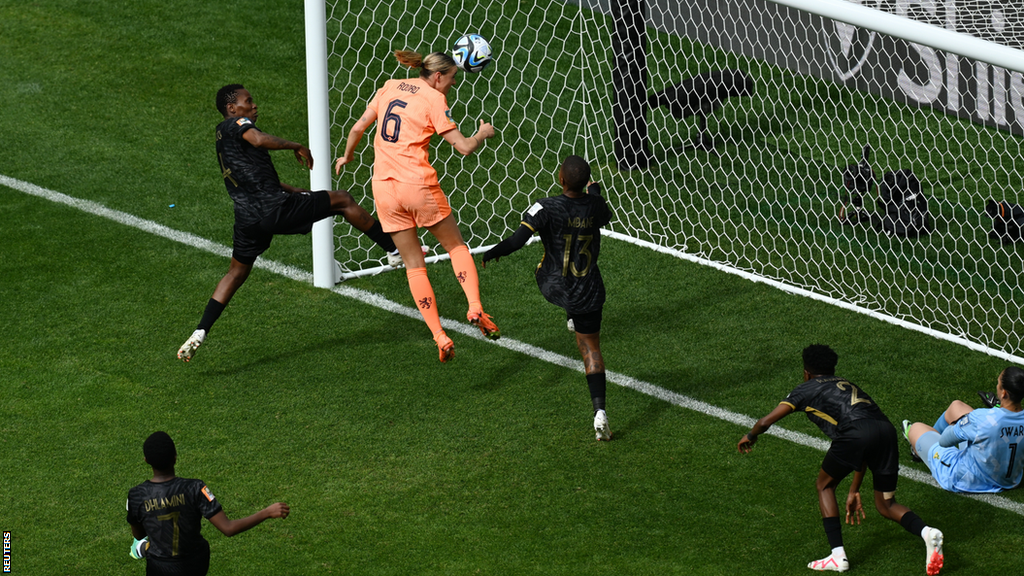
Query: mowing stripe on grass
point(468, 330)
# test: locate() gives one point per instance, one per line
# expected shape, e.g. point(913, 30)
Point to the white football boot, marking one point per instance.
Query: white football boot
point(395, 260)
point(188, 349)
point(933, 546)
point(601, 429)
point(830, 564)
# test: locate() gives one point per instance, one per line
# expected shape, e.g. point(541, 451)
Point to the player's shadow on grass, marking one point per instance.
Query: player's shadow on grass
point(707, 144)
point(265, 353)
point(646, 418)
point(700, 97)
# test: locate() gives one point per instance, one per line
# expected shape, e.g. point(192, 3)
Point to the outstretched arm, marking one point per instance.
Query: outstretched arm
point(354, 136)
point(232, 527)
point(508, 245)
point(746, 444)
point(467, 145)
point(266, 141)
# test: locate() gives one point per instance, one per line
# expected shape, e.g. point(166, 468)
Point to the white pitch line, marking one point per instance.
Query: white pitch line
point(383, 303)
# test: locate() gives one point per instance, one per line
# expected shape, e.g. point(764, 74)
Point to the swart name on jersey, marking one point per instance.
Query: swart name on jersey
point(1006, 431)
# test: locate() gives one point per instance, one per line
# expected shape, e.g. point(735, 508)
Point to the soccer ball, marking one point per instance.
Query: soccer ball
point(472, 53)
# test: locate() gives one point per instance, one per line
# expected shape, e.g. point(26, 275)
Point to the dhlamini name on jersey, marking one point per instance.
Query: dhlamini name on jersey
point(158, 503)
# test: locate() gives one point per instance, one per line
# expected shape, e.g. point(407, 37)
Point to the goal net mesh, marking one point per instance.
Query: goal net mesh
point(763, 190)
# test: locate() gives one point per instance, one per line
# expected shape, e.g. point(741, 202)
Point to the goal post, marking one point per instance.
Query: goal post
point(325, 269)
point(936, 88)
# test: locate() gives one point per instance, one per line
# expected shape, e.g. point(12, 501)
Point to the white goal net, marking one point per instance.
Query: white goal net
point(752, 179)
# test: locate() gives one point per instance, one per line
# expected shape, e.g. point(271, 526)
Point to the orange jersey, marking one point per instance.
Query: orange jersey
point(409, 112)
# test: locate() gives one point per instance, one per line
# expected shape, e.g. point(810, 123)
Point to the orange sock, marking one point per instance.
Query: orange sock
point(423, 295)
point(465, 271)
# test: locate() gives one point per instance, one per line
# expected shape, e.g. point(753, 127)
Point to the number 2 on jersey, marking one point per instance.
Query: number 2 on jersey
point(854, 398)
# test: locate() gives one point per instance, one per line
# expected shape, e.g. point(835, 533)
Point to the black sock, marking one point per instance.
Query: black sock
point(210, 315)
point(382, 238)
point(912, 523)
point(833, 530)
point(597, 384)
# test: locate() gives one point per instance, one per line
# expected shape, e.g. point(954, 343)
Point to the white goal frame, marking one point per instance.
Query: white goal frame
point(327, 271)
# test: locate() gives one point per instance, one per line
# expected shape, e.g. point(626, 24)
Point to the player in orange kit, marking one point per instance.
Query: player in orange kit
point(406, 191)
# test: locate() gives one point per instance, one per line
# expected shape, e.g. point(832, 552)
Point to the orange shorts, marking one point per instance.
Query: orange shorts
point(401, 206)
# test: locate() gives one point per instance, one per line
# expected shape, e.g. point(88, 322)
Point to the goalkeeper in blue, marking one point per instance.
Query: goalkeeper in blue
point(569, 225)
point(972, 450)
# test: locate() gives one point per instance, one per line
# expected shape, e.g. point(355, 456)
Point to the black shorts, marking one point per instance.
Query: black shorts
point(195, 564)
point(871, 442)
point(295, 216)
point(587, 322)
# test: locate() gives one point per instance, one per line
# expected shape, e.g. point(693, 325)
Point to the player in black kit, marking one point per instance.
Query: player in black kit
point(862, 437)
point(265, 206)
point(570, 229)
point(166, 512)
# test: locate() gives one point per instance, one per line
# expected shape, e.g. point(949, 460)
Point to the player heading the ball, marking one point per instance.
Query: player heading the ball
point(406, 191)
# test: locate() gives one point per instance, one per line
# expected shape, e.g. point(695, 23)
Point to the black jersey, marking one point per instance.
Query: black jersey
point(171, 513)
point(570, 229)
point(248, 173)
point(832, 403)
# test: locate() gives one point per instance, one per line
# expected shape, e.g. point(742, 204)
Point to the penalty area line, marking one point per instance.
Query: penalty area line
point(383, 303)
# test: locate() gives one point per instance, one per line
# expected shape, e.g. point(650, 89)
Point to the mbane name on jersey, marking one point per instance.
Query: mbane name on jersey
point(578, 222)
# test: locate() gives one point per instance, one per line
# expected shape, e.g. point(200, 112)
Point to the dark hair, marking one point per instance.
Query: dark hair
point(820, 360)
point(575, 173)
point(1013, 383)
point(227, 95)
point(160, 451)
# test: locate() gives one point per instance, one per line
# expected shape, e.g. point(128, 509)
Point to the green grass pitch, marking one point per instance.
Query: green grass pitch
point(393, 464)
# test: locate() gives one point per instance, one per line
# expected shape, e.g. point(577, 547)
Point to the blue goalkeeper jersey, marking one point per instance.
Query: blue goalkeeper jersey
point(992, 460)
